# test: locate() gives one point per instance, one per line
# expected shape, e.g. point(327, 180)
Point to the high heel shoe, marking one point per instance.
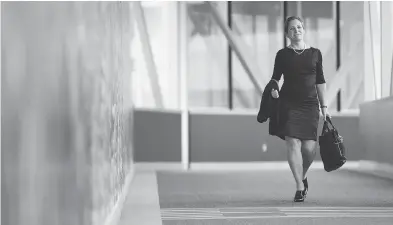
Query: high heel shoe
point(299, 197)
point(305, 182)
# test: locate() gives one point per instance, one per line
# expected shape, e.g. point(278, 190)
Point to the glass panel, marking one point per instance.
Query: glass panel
point(142, 92)
point(207, 57)
point(387, 47)
point(260, 27)
point(375, 14)
point(352, 51)
point(161, 21)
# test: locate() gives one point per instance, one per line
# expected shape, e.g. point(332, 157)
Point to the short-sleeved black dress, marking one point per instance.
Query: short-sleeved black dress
point(298, 95)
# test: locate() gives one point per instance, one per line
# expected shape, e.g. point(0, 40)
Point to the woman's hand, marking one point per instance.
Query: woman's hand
point(275, 93)
point(324, 112)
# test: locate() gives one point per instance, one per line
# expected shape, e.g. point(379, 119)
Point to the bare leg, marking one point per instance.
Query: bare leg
point(308, 153)
point(295, 160)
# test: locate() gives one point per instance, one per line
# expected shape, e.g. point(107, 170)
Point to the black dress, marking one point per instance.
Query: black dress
point(298, 96)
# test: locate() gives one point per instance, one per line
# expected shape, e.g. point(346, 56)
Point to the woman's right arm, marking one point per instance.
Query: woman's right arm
point(277, 73)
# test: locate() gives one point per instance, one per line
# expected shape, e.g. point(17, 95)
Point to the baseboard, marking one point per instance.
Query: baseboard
point(142, 206)
point(376, 168)
point(154, 166)
point(114, 216)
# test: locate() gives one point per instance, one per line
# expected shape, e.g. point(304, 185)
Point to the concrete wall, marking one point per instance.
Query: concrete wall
point(67, 112)
point(376, 130)
point(223, 137)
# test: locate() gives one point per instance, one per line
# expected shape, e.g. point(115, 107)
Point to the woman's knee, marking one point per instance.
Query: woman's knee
point(293, 143)
point(308, 147)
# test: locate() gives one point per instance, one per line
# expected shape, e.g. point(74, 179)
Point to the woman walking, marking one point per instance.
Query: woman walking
point(301, 101)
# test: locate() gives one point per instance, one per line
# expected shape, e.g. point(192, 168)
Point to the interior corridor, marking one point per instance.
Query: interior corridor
point(145, 112)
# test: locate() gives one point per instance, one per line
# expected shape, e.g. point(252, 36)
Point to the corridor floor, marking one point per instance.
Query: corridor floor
point(265, 197)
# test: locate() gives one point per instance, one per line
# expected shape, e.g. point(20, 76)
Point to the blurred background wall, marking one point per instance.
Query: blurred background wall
point(66, 111)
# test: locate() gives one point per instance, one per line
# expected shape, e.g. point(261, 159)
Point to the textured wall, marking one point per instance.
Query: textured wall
point(66, 110)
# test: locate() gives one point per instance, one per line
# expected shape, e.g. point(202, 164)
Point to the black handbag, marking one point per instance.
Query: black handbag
point(332, 147)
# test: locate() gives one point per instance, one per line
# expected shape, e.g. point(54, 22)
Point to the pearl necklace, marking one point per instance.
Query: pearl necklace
point(301, 51)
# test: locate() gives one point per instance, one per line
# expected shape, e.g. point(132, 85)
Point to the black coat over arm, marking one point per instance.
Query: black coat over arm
point(270, 109)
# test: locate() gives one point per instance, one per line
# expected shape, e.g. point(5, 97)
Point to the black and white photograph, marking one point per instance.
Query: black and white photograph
point(196, 112)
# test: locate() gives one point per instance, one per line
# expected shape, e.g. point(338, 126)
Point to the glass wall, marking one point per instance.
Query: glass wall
point(260, 27)
point(161, 22)
point(207, 71)
point(352, 52)
point(387, 48)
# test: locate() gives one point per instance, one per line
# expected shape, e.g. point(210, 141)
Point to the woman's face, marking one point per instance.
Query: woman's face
point(295, 30)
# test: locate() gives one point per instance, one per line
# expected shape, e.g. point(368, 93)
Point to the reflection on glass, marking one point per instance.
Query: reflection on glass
point(207, 57)
point(260, 27)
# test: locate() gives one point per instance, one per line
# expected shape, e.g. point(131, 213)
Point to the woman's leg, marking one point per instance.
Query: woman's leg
point(308, 153)
point(295, 160)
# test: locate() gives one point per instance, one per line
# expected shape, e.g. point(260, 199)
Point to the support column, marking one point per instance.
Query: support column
point(285, 9)
point(336, 13)
point(299, 9)
point(0, 117)
point(183, 53)
point(230, 76)
point(375, 28)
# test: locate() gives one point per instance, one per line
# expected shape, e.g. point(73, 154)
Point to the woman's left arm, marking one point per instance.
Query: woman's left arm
point(321, 88)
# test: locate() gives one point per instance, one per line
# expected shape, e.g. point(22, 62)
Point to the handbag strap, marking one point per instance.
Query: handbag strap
point(326, 125)
point(330, 121)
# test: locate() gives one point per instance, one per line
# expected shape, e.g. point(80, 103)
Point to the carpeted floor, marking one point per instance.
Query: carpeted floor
point(266, 197)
